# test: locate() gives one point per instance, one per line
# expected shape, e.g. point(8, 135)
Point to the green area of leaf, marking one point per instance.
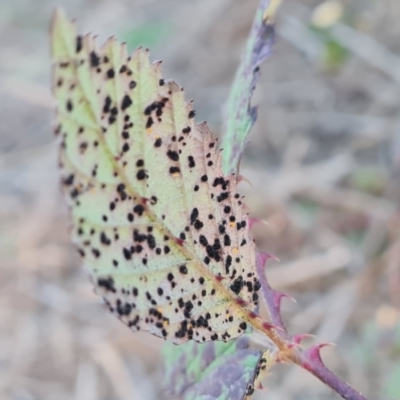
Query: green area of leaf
point(195, 368)
point(149, 34)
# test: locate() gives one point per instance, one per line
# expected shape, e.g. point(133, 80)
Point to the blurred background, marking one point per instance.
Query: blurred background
point(324, 162)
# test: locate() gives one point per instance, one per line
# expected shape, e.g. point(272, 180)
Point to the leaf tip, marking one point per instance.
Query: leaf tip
point(241, 178)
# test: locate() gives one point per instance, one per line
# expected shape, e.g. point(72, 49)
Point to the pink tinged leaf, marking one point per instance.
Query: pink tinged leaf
point(214, 370)
point(271, 297)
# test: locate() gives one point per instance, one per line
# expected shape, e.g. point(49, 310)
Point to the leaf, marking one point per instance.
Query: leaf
point(215, 370)
point(240, 115)
point(161, 230)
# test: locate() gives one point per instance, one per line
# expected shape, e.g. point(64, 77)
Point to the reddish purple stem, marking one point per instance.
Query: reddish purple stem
point(309, 359)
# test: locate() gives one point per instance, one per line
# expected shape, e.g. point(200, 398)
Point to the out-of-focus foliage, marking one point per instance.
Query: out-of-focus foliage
point(214, 371)
point(148, 35)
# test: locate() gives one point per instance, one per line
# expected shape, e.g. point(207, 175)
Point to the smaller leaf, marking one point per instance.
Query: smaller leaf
point(240, 114)
point(213, 370)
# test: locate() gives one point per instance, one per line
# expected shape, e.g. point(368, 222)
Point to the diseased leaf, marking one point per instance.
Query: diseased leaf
point(215, 370)
point(161, 230)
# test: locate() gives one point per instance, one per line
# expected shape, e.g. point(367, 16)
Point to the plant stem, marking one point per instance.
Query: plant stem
point(312, 362)
point(309, 359)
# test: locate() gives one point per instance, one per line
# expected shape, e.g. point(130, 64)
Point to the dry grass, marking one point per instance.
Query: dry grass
point(324, 162)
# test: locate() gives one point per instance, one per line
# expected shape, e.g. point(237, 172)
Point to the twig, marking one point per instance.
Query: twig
point(309, 359)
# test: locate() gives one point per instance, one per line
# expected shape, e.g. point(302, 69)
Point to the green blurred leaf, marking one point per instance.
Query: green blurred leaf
point(146, 35)
point(213, 370)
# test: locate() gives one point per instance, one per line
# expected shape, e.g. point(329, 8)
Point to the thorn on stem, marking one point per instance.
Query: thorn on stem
point(241, 178)
point(314, 353)
point(253, 221)
point(299, 338)
point(278, 296)
point(267, 325)
point(262, 258)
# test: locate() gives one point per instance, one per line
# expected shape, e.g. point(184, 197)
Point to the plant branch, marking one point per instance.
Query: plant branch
point(309, 359)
